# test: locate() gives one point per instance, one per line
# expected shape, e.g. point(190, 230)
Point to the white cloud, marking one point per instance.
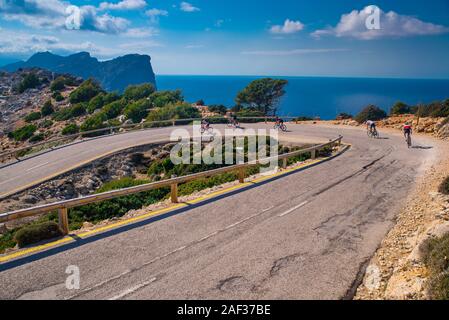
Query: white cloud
point(123, 5)
point(52, 14)
point(194, 46)
point(290, 52)
point(141, 32)
point(219, 23)
point(34, 13)
point(101, 23)
point(187, 7)
point(288, 27)
point(154, 14)
point(392, 25)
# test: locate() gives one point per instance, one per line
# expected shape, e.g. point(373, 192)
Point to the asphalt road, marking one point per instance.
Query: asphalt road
point(307, 235)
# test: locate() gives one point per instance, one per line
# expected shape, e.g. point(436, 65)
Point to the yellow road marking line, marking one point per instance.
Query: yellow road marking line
point(157, 212)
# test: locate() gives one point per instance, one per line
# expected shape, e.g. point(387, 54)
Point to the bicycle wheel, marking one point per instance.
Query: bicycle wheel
point(284, 128)
point(409, 141)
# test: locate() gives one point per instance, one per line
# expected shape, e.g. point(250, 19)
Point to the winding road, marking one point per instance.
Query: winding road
point(306, 235)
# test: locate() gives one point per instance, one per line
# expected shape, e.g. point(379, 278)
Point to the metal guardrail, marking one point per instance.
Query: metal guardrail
point(140, 126)
point(63, 206)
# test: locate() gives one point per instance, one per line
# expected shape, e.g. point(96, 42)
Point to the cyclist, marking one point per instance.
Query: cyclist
point(233, 120)
point(371, 126)
point(407, 131)
point(279, 122)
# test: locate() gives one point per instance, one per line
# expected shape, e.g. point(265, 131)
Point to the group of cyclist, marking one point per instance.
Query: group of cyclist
point(233, 122)
point(406, 129)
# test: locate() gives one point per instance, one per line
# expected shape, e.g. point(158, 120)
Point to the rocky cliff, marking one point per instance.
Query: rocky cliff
point(115, 74)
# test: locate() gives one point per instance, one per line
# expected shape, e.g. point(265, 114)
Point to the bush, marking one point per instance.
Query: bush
point(435, 253)
point(94, 122)
point(342, 116)
point(71, 128)
point(138, 92)
point(96, 103)
point(46, 124)
point(160, 99)
point(58, 84)
point(174, 111)
point(57, 96)
point(33, 116)
point(36, 233)
point(23, 133)
point(37, 138)
point(138, 110)
point(437, 109)
point(70, 112)
point(7, 240)
point(114, 109)
point(371, 112)
point(444, 187)
point(86, 91)
point(47, 109)
point(30, 81)
point(220, 109)
point(400, 108)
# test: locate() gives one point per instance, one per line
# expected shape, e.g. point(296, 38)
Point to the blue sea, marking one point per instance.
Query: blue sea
point(313, 96)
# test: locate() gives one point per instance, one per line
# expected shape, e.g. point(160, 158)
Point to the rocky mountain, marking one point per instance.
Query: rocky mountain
point(115, 74)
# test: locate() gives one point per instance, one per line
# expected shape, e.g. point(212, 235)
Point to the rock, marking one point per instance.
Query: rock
point(3, 228)
point(87, 225)
point(30, 199)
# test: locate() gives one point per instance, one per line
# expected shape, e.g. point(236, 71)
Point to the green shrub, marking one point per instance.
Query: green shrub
point(220, 109)
point(137, 92)
point(342, 116)
point(47, 109)
point(371, 112)
point(97, 121)
point(444, 187)
point(23, 133)
point(174, 111)
point(7, 240)
point(36, 233)
point(95, 103)
point(57, 96)
point(435, 253)
point(58, 84)
point(160, 99)
point(86, 91)
point(71, 112)
point(71, 128)
point(114, 109)
point(46, 124)
point(138, 110)
point(37, 138)
point(30, 81)
point(400, 108)
point(33, 116)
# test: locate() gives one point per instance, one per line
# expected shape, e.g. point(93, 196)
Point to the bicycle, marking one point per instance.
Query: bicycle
point(408, 139)
point(206, 129)
point(372, 133)
point(282, 126)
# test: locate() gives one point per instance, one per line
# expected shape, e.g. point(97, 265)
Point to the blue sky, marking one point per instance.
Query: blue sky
point(246, 37)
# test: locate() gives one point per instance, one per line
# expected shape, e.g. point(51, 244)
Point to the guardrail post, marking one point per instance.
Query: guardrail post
point(174, 193)
point(284, 163)
point(242, 175)
point(63, 220)
point(173, 123)
point(266, 121)
point(314, 154)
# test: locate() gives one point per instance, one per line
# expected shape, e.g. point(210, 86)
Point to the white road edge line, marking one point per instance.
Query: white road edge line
point(38, 166)
point(294, 208)
point(132, 290)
